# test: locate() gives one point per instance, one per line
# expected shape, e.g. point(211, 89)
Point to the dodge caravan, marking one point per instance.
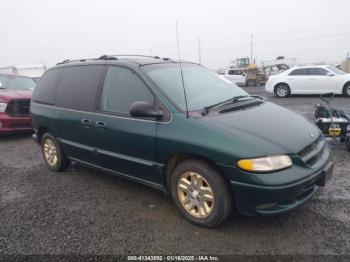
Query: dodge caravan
point(180, 128)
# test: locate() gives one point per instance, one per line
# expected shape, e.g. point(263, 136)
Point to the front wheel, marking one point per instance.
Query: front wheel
point(347, 142)
point(201, 193)
point(282, 90)
point(346, 90)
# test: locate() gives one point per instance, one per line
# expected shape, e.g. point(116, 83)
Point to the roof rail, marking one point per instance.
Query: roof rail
point(107, 57)
point(66, 61)
point(110, 57)
point(147, 56)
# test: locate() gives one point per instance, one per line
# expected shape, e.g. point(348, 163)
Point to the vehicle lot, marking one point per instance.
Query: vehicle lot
point(83, 211)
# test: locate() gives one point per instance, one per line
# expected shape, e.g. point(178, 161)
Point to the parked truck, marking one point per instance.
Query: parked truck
point(34, 71)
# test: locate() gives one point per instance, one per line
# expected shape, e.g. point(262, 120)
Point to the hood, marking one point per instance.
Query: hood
point(7, 94)
point(266, 129)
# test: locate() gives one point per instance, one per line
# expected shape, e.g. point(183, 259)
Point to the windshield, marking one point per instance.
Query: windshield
point(336, 70)
point(16, 83)
point(203, 87)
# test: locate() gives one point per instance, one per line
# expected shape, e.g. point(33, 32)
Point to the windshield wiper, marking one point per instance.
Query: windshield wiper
point(232, 100)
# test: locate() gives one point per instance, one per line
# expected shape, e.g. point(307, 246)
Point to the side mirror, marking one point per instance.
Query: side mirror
point(330, 74)
point(144, 109)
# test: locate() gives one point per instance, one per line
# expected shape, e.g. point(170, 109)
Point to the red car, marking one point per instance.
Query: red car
point(15, 94)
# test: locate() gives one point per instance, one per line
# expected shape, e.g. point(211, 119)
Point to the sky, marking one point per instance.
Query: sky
point(49, 31)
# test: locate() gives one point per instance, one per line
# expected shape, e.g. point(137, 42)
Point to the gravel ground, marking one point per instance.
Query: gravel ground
point(82, 211)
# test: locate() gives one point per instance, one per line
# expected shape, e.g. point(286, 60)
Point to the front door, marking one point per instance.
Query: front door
point(125, 145)
point(320, 82)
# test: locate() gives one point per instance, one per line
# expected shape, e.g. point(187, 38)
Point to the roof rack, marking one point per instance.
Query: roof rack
point(107, 57)
point(111, 57)
point(66, 61)
point(147, 56)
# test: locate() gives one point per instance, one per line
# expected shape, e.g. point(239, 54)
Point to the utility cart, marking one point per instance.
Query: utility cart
point(332, 122)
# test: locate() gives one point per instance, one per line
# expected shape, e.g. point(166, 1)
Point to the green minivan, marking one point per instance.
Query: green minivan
point(180, 128)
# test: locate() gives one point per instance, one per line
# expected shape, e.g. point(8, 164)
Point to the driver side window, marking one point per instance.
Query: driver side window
point(122, 87)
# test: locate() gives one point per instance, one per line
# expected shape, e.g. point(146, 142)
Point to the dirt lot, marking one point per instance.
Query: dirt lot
point(83, 211)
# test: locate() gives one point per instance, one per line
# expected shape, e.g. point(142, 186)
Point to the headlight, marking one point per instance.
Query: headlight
point(265, 164)
point(3, 107)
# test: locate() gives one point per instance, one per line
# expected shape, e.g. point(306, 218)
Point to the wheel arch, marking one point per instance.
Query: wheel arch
point(173, 161)
point(41, 131)
point(345, 85)
point(281, 83)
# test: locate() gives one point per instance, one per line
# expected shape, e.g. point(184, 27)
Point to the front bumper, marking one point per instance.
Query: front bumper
point(266, 200)
point(10, 124)
point(269, 87)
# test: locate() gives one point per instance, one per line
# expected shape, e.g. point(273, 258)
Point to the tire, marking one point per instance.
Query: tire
point(347, 142)
point(251, 83)
point(282, 90)
point(208, 202)
point(54, 158)
point(346, 90)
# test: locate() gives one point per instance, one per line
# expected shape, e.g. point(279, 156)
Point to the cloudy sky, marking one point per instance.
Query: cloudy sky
point(42, 31)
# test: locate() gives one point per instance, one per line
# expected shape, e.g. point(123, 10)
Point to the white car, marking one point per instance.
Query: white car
point(236, 76)
point(309, 80)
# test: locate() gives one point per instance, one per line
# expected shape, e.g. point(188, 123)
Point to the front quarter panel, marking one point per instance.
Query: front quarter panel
point(192, 136)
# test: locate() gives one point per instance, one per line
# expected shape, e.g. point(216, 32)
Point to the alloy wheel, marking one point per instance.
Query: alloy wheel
point(50, 152)
point(282, 91)
point(195, 194)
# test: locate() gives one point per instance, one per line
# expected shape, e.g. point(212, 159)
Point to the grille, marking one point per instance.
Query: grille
point(312, 153)
point(18, 108)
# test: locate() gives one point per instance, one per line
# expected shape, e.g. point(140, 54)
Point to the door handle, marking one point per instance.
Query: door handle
point(86, 122)
point(101, 124)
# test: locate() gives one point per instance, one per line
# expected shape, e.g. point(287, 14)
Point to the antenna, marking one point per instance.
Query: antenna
point(251, 48)
point(199, 51)
point(182, 75)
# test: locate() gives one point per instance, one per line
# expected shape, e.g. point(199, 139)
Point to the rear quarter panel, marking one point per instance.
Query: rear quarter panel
point(42, 117)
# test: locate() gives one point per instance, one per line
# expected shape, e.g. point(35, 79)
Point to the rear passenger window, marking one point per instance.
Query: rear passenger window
point(45, 90)
point(121, 88)
point(318, 71)
point(78, 86)
point(300, 72)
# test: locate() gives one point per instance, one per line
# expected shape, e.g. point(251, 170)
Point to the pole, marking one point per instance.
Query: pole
point(199, 51)
point(251, 48)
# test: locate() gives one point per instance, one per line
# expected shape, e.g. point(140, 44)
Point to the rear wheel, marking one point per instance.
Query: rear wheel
point(200, 193)
point(346, 90)
point(55, 159)
point(347, 142)
point(251, 83)
point(282, 90)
